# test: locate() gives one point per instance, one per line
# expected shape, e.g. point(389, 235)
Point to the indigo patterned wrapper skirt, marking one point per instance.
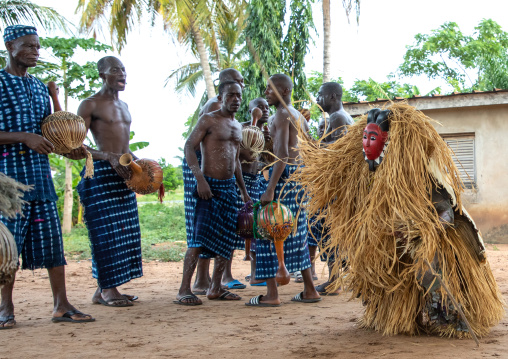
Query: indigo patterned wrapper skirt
point(296, 249)
point(111, 216)
point(37, 234)
point(215, 219)
point(189, 185)
point(252, 184)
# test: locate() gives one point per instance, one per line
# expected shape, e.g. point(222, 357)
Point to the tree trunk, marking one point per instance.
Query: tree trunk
point(327, 41)
point(203, 59)
point(67, 210)
point(67, 213)
point(80, 213)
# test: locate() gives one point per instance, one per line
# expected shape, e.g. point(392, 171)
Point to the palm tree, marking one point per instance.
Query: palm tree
point(229, 54)
point(190, 21)
point(348, 6)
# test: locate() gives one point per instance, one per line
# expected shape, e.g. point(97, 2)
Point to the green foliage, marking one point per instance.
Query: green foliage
point(135, 146)
point(162, 234)
point(57, 164)
point(265, 19)
point(296, 45)
point(465, 63)
point(173, 176)
point(78, 81)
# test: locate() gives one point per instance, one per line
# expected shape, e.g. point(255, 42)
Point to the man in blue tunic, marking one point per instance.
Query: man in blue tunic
point(24, 103)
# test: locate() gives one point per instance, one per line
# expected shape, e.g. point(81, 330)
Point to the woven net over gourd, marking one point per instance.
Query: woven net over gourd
point(385, 225)
point(67, 131)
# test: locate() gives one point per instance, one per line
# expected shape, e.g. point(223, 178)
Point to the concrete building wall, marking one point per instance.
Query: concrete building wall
point(488, 202)
point(485, 115)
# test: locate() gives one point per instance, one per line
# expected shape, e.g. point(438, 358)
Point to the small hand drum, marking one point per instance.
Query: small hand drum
point(66, 131)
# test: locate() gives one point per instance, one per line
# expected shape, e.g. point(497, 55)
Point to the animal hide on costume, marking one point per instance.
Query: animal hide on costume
point(385, 224)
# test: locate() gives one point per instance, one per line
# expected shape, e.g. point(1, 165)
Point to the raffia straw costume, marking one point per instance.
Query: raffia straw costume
point(385, 223)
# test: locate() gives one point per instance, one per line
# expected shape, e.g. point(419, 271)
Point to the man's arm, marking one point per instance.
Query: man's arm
point(34, 141)
point(281, 151)
point(197, 135)
point(239, 178)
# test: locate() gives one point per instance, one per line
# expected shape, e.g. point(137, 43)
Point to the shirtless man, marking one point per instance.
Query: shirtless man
point(330, 99)
point(334, 127)
point(111, 212)
point(226, 75)
point(215, 216)
point(284, 131)
point(251, 176)
point(202, 281)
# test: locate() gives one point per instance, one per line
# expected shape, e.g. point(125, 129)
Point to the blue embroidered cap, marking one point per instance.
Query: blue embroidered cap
point(14, 31)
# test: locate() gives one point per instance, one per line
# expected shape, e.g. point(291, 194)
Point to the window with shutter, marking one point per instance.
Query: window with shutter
point(463, 147)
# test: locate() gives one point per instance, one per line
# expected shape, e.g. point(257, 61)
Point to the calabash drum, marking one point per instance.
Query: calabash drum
point(147, 175)
point(275, 222)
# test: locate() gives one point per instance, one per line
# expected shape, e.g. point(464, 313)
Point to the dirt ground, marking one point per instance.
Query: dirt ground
point(155, 327)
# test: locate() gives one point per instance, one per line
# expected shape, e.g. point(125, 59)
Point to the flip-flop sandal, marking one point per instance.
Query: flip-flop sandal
point(226, 296)
point(67, 318)
point(199, 292)
point(328, 294)
point(122, 302)
point(299, 298)
point(263, 284)
point(256, 302)
point(247, 278)
point(298, 277)
point(315, 277)
point(132, 298)
point(182, 301)
point(5, 320)
point(236, 284)
point(324, 292)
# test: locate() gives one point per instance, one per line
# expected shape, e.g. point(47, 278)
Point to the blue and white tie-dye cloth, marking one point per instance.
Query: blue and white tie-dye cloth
point(111, 216)
point(24, 103)
point(296, 249)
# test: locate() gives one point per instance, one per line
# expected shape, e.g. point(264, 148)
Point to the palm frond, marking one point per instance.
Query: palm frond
point(13, 12)
point(120, 16)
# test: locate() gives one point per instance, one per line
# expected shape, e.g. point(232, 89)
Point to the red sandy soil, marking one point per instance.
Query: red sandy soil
point(155, 327)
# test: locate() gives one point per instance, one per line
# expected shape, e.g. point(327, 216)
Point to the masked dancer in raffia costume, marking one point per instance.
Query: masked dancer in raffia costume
point(393, 207)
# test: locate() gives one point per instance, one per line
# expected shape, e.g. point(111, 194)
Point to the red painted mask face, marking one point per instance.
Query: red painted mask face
point(374, 140)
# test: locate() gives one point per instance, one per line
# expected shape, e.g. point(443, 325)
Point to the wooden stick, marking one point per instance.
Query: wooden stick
point(459, 309)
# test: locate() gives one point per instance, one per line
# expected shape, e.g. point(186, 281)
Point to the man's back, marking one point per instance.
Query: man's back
point(210, 106)
point(292, 121)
